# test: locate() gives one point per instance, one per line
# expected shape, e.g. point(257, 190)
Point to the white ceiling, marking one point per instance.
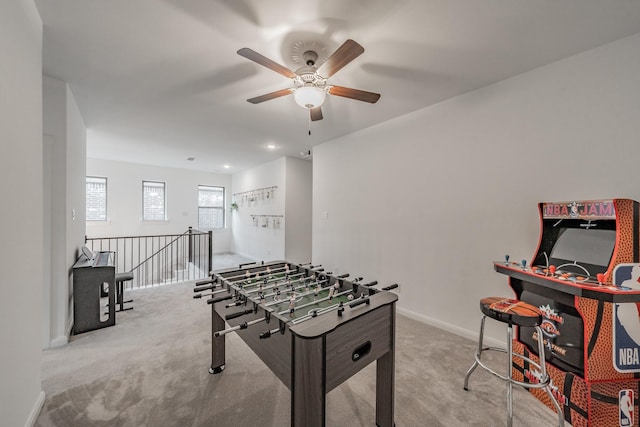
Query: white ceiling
point(159, 81)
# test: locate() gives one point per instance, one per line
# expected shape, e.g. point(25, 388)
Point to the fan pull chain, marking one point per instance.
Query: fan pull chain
point(309, 121)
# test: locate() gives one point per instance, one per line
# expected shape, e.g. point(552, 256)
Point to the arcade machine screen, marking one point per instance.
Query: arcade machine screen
point(583, 250)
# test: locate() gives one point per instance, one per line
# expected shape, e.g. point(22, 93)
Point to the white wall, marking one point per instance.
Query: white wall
point(64, 204)
point(441, 193)
point(76, 154)
point(257, 242)
point(298, 203)
point(124, 200)
point(21, 217)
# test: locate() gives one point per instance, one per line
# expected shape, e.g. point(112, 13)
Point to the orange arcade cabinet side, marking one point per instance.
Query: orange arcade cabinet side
point(591, 358)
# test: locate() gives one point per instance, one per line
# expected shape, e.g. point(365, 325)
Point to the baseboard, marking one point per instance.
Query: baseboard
point(37, 407)
point(465, 333)
point(63, 339)
point(59, 341)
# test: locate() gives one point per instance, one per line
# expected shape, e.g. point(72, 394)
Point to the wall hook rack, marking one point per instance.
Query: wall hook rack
point(256, 194)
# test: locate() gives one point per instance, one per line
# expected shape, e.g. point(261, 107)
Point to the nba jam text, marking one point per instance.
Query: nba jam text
point(585, 209)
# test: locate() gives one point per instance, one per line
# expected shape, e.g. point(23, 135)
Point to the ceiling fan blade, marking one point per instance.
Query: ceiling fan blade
point(266, 62)
point(269, 96)
point(360, 95)
point(316, 114)
point(346, 53)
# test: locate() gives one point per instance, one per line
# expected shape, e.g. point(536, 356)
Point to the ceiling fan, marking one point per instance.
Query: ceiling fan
point(310, 82)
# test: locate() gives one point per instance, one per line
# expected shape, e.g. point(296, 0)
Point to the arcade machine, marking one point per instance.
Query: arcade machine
point(577, 279)
point(314, 330)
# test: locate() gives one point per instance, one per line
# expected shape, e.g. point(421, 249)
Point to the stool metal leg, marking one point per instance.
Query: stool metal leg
point(509, 375)
point(545, 376)
point(545, 381)
point(478, 354)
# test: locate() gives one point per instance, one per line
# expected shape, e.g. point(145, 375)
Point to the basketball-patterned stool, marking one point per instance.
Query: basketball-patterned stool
point(519, 313)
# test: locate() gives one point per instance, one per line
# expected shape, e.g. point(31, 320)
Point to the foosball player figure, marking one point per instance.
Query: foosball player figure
point(331, 292)
point(316, 291)
point(277, 291)
point(261, 296)
point(292, 304)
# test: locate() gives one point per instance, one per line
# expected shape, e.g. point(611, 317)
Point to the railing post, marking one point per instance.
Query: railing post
point(190, 244)
point(210, 251)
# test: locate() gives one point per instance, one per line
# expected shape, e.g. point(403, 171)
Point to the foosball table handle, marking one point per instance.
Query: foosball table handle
point(238, 314)
point(215, 300)
point(205, 282)
point(388, 288)
point(265, 335)
point(204, 288)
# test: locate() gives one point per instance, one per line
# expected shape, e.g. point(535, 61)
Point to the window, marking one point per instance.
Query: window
point(210, 207)
point(153, 208)
point(96, 199)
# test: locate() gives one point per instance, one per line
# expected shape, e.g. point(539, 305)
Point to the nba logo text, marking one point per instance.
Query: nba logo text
point(625, 402)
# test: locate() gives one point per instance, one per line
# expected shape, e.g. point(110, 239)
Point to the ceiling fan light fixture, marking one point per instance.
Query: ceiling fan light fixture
point(309, 96)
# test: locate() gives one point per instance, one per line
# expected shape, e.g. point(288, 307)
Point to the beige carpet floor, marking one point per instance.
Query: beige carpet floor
point(150, 369)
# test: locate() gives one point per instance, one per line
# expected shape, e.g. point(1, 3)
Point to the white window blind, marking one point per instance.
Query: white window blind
point(210, 207)
point(153, 201)
point(96, 199)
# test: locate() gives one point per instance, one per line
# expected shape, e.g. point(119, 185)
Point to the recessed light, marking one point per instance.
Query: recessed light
point(226, 166)
point(271, 146)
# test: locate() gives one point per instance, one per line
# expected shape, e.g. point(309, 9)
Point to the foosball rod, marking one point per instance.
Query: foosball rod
point(200, 288)
point(308, 316)
point(294, 288)
point(238, 303)
point(301, 319)
point(302, 285)
point(253, 290)
point(240, 277)
point(269, 304)
point(212, 293)
point(317, 301)
point(315, 313)
point(244, 325)
point(305, 285)
point(277, 280)
point(268, 333)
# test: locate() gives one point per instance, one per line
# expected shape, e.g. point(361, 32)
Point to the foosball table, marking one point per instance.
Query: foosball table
point(313, 329)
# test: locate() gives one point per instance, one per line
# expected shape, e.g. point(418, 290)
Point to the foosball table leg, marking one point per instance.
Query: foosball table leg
point(385, 390)
point(217, 343)
point(308, 400)
point(385, 382)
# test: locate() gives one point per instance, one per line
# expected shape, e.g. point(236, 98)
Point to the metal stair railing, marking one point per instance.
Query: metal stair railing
point(159, 259)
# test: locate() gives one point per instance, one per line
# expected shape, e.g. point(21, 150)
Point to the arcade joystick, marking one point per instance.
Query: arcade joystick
point(552, 270)
point(524, 264)
point(600, 278)
point(506, 260)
